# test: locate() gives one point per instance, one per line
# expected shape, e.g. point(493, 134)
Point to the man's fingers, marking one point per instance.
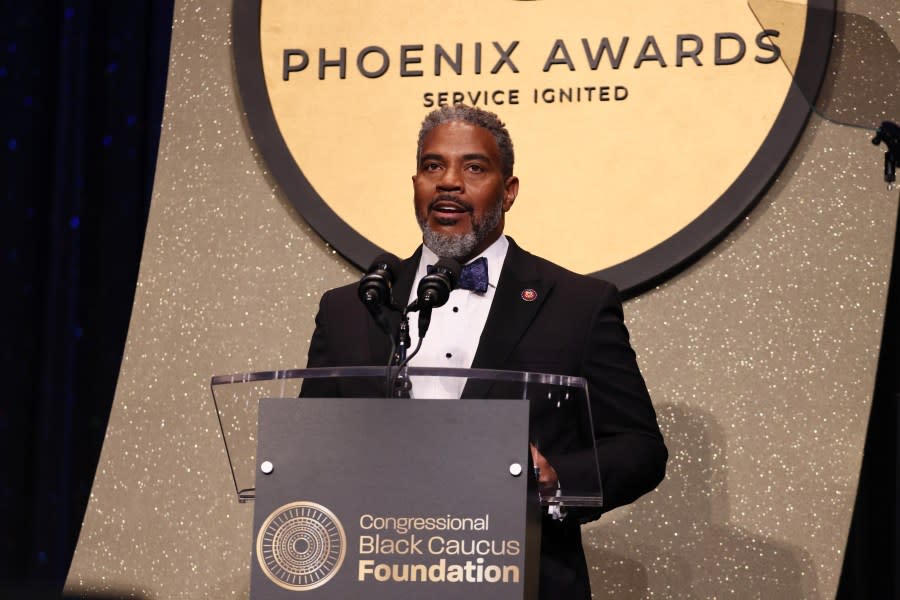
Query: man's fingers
point(546, 474)
point(535, 455)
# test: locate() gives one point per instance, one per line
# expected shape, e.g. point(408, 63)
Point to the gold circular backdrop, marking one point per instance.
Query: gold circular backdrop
point(643, 131)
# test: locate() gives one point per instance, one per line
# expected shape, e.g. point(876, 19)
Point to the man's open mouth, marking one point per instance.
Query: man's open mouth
point(448, 207)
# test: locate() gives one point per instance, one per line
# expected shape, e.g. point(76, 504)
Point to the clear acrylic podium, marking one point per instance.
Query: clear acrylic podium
point(563, 398)
point(359, 494)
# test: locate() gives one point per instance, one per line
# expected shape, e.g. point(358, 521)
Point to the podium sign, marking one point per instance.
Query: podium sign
point(394, 498)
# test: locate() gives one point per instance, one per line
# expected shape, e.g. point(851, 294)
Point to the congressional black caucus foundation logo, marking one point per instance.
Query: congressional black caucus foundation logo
point(644, 131)
point(300, 546)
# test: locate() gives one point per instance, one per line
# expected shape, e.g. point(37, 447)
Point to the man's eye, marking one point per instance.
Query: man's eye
point(431, 166)
point(476, 168)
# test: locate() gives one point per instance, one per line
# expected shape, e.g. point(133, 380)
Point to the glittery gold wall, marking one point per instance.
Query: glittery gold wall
point(760, 358)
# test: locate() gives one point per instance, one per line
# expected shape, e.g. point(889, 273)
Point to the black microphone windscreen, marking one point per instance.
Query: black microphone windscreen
point(375, 287)
point(386, 262)
point(452, 268)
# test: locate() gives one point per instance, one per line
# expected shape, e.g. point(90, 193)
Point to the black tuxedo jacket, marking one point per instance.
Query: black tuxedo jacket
point(572, 326)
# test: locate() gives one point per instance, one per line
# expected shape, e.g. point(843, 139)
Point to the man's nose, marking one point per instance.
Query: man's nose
point(451, 179)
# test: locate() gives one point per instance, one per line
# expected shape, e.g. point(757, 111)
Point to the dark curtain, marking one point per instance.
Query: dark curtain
point(83, 85)
point(872, 561)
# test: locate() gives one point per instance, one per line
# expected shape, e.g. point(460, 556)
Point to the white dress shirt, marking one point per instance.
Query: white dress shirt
point(452, 337)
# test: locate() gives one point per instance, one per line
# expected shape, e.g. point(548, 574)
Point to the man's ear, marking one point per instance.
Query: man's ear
point(511, 190)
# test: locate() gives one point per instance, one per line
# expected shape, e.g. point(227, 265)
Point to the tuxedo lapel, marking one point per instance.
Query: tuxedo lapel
point(520, 294)
point(379, 342)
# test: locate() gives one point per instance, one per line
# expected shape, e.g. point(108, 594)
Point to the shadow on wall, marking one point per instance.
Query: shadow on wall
point(678, 543)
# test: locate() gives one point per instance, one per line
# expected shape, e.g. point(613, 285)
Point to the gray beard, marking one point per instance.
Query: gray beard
point(460, 246)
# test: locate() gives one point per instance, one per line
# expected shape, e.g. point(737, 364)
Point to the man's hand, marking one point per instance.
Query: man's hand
point(546, 474)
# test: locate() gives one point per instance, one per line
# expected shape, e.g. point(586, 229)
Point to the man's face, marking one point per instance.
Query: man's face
point(460, 192)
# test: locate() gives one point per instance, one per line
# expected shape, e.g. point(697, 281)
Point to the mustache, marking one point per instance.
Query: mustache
point(450, 198)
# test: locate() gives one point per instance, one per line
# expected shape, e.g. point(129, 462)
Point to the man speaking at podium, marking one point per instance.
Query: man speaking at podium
point(518, 312)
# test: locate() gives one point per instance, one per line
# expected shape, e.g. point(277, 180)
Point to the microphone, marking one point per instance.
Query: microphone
point(434, 291)
point(375, 288)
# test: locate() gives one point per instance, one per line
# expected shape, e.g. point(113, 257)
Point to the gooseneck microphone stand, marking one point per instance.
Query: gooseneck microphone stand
point(433, 292)
point(888, 133)
point(401, 383)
